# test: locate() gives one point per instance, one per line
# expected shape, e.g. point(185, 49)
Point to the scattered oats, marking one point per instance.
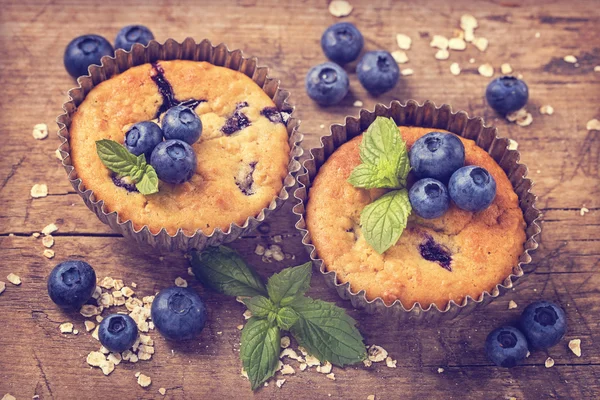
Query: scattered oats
point(280, 382)
point(240, 327)
point(40, 131)
point(322, 126)
point(179, 281)
point(89, 325)
point(146, 340)
point(404, 41)
point(58, 155)
point(66, 327)
point(486, 70)
point(331, 376)
point(481, 43)
point(340, 8)
point(274, 252)
point(371, 397)
point(597, 68)
point(455, 69)
point(115, 358)
point(377, 353)
point(106, 300)
point(575, 346)
point(131, 303)
point(407, 72)
point(288, 352)
point(367, 362)
point(506, 68)
point(48, 241)
point(467, 21)
point(357, 103)
point(287, 370)
point(457, 44)
point(303, 366)
point(512, 305)
point(285, 342)
point(259, 250)
point(390, 363)
point(440, 370)
point(570, 59)
point(143, 380)
point(133, 358)
point(526, 121)
point(547, 110)
point(162, 391)
point(593, 125)
point(146, 348)
point(2, 287)
point(89, 310)
point(118, 284)
point(9, 396)
point(107, 283)
point(36, 234)
point(95, 333)
point(312, 361)
point(144, 356)
point(512, 144)
point(48, 253)
point(471, 61)
point(549, 362)
point(325, 368)
point(442, 55)
point(537, 35)
point(107, 367)
point(148, 300)
point(127, 291)
point(583, 211)
point(400, 56)
point(14, 279)
point(97, 293)
point(75, 332)
point(95, 358)
point(39, 190)
point(439, 41)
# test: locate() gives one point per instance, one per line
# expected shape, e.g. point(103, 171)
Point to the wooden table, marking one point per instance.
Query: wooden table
point(563, 159)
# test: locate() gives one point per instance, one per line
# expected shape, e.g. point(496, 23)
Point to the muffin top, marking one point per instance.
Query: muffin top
point(436, 260)
point(242, 155)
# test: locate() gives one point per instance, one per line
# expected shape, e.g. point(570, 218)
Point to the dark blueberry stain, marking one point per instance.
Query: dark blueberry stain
point(245, 184)
point(237, 121)
point(130, 187)
point(272, 114)
point(432, 251)
point(166, 91)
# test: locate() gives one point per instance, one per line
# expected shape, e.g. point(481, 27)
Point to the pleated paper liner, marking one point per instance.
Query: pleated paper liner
point(218, 55)
point(429, 116)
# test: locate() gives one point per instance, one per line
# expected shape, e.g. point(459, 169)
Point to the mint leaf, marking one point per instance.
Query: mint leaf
point(223, 270)
point(260, 306)
point(260, 350)
point(286, 318)
point(367, 176)
point(148, 184)
point(290, 283)
point(383, 220)
point(327, 332)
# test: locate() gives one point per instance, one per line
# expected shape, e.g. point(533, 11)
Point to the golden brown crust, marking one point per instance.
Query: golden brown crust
point(484, 246)
point(211, 199)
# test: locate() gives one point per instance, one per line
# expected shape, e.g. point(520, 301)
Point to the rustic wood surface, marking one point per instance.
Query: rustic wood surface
point(563, 159)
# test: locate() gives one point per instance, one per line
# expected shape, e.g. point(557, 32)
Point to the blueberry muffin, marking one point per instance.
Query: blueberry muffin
point(242, 155)
point(436, 260)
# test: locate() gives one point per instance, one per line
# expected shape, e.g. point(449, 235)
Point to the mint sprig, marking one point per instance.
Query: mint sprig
point(322, 328)
point(384, 164)
point(119, 160)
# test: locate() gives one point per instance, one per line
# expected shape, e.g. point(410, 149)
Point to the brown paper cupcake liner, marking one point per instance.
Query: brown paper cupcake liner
point(172, 50)
point(429, 116)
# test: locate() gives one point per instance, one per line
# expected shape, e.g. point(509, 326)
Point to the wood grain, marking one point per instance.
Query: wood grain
point(563, 159)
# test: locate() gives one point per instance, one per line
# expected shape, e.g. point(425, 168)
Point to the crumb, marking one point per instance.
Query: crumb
point(367, 362)
point(526, 121)
point(549, 362)
point(455, 69)
point(506, 68)
point(285, 342)
point(14, 279)
point(48, 241)
point(442, 55)
point(597, 68)
point(390, 363)
point(36, 234)
point(467, 21)
point(280, 382)
point(486, 70)
point(512, 144)
point(440, 370)
point(247, 314)
point(66, 327)
point(312, 361)
point(593, 125)
point(107, 283)
point(357, 103)
point(583, 210)
point(137, 374)
point(400, 56)
point(2, 287)
point(537, 35)
point(49, 254)
point(403, 41)
point(40, 131)
point(457, 43)
point(303, 366)
point(570, 59)
point(340, 8)
point(377, 353)
point(287, 370)
point(547, 110)
point(39, 190)
point(575, 346)
point(9, 396)
point(179, 281)
point(325, 368)
point(240, 327)
point(190, 272)
point(471, 61)
point(144, 380)
point(481, 43)
point(512, 305)
point(58, 155)
point(406, 72)
point(331, 376)
point(89, 325)
point(371, 397)
point(259, 250)
point(519, 114)
point(439, 42)
point(322, 126)
point(162, 391)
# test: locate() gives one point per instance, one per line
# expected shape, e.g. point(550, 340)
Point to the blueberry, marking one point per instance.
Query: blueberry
point(178, 313)
point(182, 123)
point(437, 155)
point(342, 42)
point(544, 323)
point(71, 283)
point(327, 83)
point(117, 332)
point(132, 34)
point(174, 161)
point(84, 51)
point(507, 94)
point(506, 346)
point(143, 137)
point(429, 198)
point(378, 72)
point(472, 188)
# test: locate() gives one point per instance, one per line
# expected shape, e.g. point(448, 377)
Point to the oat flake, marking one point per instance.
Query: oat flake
point(390, 363)
point(325, 368)
point(547, 110)
point(39, 190)
point(442, 55)
point(506, 68)
point(457, 44)
point(512, 305)
point(575, 346)
point(403, 41)
point(89, 325)
point(285, 342)
point(467, 21)
point(526, 121)
point(287, 370)
point(179, 281)
point(14, 279)
point(40, 131)
point(440, 370)
point(303, 366)
point(549, 362)
point(340, 8)
point(377, 353)
point(312, 361)
point(48, 241)
point(471, 61)
point(486, 70)
point(367, 362)
point(331, 376)
point(2, 287)
point(144, 380)
point(371, 397)
point(512, 145)
point(247, 314)
point(8, 396)
point(593, 125)
point(399, 56)
point(280, 382)
point(162, 391)
point(481, 43)
point(357, 103)
point(407, 72)
point(49, 254)
point(439, 41)
point(570, 59)
point(455, 69)
point(583, 210)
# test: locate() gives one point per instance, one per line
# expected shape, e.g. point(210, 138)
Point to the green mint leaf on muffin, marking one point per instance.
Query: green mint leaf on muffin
point(384, 220)
point(119, 160)
point(383, 156)
point(327, 332)
point(322, 328)
point(224, 271)
point(260, 350)
point(288, 284)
